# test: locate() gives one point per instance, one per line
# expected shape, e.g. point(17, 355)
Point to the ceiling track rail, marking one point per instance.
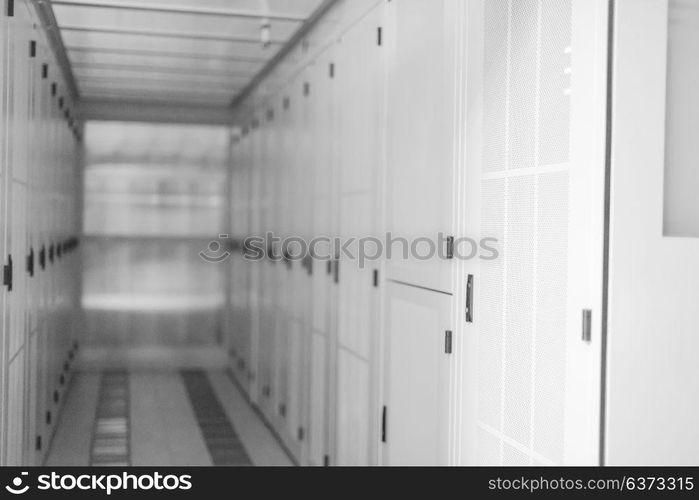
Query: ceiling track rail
point(173, 70)
point(167, 34)
point(174, 9)
point(163, 53)
point(284, 51)
point(48, 21)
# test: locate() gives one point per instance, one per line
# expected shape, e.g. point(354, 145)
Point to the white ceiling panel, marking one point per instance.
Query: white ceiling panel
point(183, 51)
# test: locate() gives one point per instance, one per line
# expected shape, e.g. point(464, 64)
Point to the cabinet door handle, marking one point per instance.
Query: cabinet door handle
point(8, 273)
point(469, 299)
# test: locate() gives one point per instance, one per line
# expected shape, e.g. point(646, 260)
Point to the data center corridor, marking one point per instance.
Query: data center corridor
point(349, 232)
point(161, 418)
point(152, 386)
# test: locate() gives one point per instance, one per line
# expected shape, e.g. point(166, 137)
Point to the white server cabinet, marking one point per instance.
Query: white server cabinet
point(21, 48)
point(652, 377)
point(359, 76)
point(529, 369)
point(38, 183)
point(16, 249)
point(240, 278)
point(255, 299)
point(420, 140)
point(299, 143)
point(278, 164)
point(323, 292)
point(415, 416)
point(268, 286)
point(14, 445)
point(4, 223)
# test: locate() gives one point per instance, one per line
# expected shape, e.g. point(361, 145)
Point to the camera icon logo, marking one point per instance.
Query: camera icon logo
point(216, 252)
point(16, 487)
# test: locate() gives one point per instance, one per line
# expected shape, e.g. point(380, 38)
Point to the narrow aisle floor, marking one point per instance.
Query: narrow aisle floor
point(187, 418)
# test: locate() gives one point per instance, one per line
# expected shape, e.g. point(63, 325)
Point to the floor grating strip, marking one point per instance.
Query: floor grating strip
point(111, 433)
point(220, 437)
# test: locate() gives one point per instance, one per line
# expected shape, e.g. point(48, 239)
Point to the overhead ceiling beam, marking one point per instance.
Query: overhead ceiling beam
point(176, 9)
point(307, 26)
point(169, 97)
point(193, 71)
point(154, 111)
point(115, 85)
point(167, 34)
point(48, 21)
point(163, 53)
point(159, 83)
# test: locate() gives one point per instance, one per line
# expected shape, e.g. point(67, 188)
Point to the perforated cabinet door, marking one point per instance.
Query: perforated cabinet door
point(534, 165)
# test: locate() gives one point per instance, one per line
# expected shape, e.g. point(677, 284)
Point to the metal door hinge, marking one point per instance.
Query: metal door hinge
point(301, 434)
point(44, 71)
point(384, 412)
point(587, 325)
point(282, 410)
point(379, 36)
point(376, 278)
point(336, 275)
point(48, 418)
point(8, 273)
point(10, 8)
point(32, 48)
point(326, 461)
point(331, 70)
point(448, 342)
point(38, 443)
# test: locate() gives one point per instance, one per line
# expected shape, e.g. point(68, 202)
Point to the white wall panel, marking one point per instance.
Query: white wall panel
point(652, 330)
